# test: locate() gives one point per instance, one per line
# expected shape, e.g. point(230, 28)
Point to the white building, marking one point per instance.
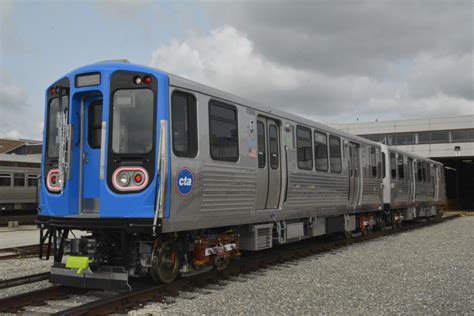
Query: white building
point(449, 140)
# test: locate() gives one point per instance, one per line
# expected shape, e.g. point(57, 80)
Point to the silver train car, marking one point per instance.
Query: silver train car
point(19, 182)
point(233, 175)
point(413, 185)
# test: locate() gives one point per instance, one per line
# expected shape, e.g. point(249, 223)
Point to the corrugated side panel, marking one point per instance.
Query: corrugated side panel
point(306, 190)
point(400, 192)
point(228, 188)
point(371, 191)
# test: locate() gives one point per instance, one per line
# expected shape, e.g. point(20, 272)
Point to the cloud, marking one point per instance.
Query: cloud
point(18, 117)
point(227, 59)
point(350, 37)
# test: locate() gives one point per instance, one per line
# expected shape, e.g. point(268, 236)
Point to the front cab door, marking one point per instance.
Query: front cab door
point(91, 142)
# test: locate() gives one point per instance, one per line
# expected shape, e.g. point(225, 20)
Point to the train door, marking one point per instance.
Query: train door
point(269, 164)
point(434, 181)
point(91, 127)
point(354, 173)
point(411, 181)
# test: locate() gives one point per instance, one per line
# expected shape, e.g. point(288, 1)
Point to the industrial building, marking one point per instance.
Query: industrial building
point(449, 140)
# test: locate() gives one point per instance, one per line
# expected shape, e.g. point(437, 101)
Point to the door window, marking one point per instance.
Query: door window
point(393, 165)
point(401, 167)
point(321, 151)
point(273, 142)
point(95, 124)
point(261, 145)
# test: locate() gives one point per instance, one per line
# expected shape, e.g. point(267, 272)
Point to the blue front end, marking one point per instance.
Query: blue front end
point(110, 150)
point(100, 173)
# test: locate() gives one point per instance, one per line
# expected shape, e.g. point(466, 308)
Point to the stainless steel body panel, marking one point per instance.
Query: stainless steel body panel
point(409, 192)
point(233, 193)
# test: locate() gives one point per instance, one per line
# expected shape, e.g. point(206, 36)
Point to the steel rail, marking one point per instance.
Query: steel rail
point(26, 279)
point(16, 303)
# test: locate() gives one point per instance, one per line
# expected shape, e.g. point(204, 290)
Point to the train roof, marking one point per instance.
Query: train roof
point(178, 81)
point(394, 149)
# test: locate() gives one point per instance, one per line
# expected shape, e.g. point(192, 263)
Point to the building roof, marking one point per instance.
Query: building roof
point(7, 144)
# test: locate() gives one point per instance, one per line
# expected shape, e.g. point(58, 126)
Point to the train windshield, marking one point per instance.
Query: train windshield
point(54, 113)
point(132, 131)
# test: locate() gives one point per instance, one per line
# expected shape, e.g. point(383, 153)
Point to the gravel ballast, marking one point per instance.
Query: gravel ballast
point(425, 271)
point(14, 268)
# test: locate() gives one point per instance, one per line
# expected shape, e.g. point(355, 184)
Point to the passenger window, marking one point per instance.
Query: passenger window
point(321, 151)
point(419, 171)
point(401, 167)
point(32, 180)
point(335, 154)
point(184, 120)
point(95, 124)
point(304, 148)
point(5, 180)
point(261, 145)
point(18, 180)
point(373, 162)
point(273, 142)
point(223, 132)
point(393, 165)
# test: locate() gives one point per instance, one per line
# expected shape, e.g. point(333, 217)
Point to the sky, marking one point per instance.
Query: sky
point(336, 61)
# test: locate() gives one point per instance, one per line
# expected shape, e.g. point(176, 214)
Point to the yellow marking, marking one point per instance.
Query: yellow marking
point(79, 263)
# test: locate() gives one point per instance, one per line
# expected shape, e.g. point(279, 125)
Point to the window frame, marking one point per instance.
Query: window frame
point(190, 154)
point(7, 176)
point(307, 129)
point(232, 107)
point(327, 150)
point(112, 123)
point(401, 175)
point(21, 177)
point(393, 166)
point(264, 146)
point(373, 162)
point(89, 129)
point(331, 136)
point(277, 152)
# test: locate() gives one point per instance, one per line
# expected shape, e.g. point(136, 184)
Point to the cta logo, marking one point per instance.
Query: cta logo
point(185, 181)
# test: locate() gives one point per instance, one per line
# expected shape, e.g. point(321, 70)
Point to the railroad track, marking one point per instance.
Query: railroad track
point(235, 272)
point(21, 252)
point(27, 279)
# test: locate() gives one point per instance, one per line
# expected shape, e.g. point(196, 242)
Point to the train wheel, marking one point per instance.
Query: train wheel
point(165, 266)
point(221, 262)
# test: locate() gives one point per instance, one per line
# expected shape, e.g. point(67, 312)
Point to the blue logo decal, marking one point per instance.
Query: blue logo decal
point(185, 181)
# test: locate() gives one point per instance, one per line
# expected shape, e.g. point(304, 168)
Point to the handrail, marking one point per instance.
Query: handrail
point(163, 173)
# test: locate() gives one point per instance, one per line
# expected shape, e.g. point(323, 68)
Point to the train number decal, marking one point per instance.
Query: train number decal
point(185, 181)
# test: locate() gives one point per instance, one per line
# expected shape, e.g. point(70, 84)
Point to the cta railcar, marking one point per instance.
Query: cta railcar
point(172, 178)
point(18, 183)
point(414, 186)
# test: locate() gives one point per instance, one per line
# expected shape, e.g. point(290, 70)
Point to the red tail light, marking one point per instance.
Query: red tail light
point(147, 80)
point(121, 178)
point(52, 182)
